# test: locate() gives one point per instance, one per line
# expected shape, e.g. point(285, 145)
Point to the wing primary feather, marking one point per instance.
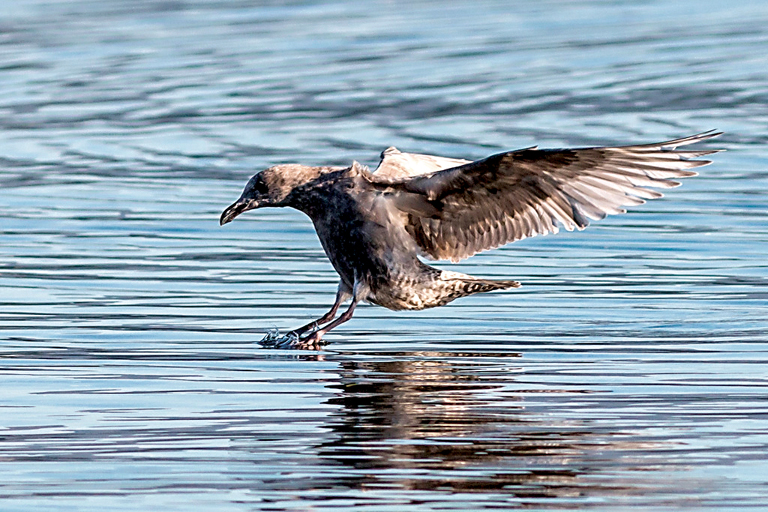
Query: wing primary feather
point(456, 208)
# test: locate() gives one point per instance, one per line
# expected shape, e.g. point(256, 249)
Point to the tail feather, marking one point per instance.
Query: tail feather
point(475, 285)
point(460, 285)
point(488, 285)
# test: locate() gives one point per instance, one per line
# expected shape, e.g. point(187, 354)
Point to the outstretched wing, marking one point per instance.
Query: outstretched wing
point(457, 212)
point(397, 165)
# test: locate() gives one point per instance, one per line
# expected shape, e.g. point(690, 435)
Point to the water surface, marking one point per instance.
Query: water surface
point(629, 371)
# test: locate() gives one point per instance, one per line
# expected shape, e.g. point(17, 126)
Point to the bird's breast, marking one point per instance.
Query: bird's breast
point(362, 234)
point(348, 239)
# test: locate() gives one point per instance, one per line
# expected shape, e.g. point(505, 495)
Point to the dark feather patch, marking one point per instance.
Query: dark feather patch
point(459, 211)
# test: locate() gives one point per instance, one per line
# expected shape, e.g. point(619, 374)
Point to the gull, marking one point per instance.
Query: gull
point(376, 227)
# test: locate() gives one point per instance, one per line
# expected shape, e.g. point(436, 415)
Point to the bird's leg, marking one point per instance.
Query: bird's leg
point(294, 339)
point(315, 337)
point(313, 340)
point(342, 294)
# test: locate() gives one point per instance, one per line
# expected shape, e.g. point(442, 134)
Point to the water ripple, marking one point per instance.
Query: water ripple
point(629, 371)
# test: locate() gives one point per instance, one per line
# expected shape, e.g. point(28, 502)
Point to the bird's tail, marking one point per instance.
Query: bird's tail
point(460, 285)
point(475, 285)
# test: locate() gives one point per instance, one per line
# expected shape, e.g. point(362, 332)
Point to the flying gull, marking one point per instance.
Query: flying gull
point(374, 226)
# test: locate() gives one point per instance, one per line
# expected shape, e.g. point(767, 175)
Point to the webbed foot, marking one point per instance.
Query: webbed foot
point(291, 340)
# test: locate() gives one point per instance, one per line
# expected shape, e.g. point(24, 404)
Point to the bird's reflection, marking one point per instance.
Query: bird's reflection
point(458, 422)
point(420, 396)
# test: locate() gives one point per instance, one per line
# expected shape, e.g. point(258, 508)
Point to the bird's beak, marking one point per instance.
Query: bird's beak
point(236, 208)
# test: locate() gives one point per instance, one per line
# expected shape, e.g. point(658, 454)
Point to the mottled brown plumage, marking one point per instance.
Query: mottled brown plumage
point(374, 225)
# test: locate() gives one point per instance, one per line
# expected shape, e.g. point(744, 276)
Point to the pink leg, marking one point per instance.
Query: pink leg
point(314, 339)
point(342, 294)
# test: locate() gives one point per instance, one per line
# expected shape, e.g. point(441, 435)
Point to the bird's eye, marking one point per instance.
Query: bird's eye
point(260, 186)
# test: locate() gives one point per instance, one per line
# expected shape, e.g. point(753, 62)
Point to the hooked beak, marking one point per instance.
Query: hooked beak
point(236, 208)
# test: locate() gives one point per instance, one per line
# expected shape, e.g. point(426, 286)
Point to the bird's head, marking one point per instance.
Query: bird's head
point(271, 187)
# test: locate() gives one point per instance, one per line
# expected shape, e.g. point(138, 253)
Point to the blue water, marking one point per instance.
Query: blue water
point(630, 371)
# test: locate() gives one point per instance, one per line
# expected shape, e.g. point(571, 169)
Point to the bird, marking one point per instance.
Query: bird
point(377, 228)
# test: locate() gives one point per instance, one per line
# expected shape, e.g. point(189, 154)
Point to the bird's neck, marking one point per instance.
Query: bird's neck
point(329, 191)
